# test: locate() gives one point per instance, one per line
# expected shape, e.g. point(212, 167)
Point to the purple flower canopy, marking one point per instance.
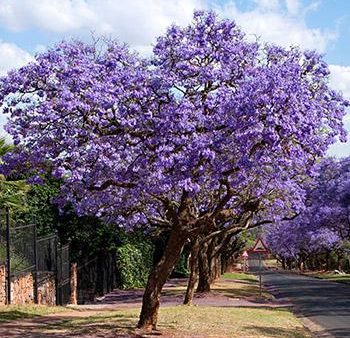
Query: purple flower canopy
point(324, 224)
point(207, 111)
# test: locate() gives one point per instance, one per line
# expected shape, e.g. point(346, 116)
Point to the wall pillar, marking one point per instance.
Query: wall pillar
point(74, 284)
point(2, 284)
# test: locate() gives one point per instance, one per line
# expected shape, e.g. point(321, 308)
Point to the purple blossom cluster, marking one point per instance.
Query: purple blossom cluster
point(207, 112)
point(325, 222)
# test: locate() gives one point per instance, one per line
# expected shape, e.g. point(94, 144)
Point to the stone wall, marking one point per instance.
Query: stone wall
point(46, 289)
point(22, 289)
point(2, 285)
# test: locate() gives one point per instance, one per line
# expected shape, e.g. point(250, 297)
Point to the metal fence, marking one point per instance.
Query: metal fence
point(22, 251)
point(97, 276)
point(63, 275)
point(46, 259)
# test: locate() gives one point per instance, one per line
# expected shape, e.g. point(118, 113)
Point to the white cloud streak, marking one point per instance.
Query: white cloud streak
point(138, 22)
point(11, 56)
point(340, 79)
point(280, 22)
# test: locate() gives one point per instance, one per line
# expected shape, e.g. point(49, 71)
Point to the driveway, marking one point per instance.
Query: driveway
point(324, 305)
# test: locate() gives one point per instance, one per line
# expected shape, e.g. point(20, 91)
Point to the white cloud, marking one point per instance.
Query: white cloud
point(268, 4)
point(52, 15)
point(340, 79)
point(293, 6)
point(137, 22)
point(281, 22)
point(11, 56)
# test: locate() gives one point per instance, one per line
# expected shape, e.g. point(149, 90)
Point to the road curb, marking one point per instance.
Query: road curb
point(314, 329)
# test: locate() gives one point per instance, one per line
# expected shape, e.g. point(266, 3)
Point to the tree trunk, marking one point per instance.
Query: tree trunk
point(215, 268)
point(204, 270)
point(283, 264)
point(299, 264)
point(328, 262)
point(160, 273)
point(100, 273)
point(193, 273)
point(212, 261)
point(339, 267)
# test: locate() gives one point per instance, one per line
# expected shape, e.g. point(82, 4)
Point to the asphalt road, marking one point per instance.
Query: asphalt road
point(324, 303)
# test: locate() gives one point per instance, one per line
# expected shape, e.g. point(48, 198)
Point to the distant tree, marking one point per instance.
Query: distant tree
point(324, 224)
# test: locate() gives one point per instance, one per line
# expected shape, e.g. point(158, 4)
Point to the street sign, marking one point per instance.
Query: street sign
point(260, 246)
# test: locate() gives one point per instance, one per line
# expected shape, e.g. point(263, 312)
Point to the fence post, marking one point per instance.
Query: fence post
point(8, 256)
point(35, 265)
point(56, 271)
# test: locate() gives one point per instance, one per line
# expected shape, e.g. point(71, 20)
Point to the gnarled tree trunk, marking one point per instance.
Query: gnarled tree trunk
point(215, 267)
point(204, 270)
point(160, 273)
point(193, 272)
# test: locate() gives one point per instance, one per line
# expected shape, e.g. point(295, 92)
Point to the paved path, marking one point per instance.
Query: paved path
point(324, 305)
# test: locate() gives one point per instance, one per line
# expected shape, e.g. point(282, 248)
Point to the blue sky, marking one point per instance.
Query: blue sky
point(29, 26)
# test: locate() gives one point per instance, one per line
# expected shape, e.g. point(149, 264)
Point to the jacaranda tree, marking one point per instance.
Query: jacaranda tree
point(211, 129)
point(324, 224)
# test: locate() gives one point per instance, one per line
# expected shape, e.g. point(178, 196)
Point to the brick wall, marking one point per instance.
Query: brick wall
point(22, 289)
point(2, 285)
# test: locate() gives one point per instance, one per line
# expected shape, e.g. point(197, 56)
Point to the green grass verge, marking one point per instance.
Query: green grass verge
point(174, 321)
point(184, 321)
point(240, 276)
point(341, 278)
point(15, 312)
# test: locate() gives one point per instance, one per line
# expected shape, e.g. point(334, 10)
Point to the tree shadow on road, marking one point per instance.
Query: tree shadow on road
point(278, 332)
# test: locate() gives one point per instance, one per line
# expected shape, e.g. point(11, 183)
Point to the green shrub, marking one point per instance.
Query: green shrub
point(134, 262)
point(181, 268)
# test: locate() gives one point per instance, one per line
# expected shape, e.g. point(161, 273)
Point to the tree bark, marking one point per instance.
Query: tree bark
point(215, 267)
point(193, 273)
point(204, 270)
point(160, 273)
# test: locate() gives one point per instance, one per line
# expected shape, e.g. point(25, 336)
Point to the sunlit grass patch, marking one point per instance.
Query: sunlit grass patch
point(184, 321)
point(240, 276)
point(16, 312)
point(342, 278)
